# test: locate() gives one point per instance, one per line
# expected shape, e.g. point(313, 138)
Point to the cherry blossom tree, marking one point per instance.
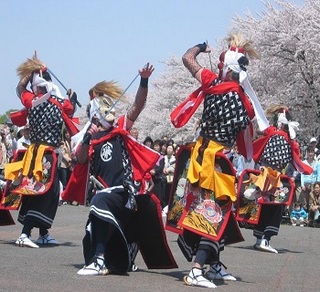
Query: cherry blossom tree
point(288, 40)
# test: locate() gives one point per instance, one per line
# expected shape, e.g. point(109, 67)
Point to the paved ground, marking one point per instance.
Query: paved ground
point(295, 268)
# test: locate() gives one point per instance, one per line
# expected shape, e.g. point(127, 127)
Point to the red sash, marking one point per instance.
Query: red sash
point(183, 112)
point(142, 159)
point(19, 118)
point(260, 144)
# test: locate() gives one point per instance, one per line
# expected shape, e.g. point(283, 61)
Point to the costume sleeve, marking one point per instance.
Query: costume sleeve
point(27, 98)
point(295, 147)
point(189, 60)
point(67, 107)
point(269, 131)
point(207, 77)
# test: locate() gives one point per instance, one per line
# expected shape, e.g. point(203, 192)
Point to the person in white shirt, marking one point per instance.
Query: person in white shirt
point(313, 145)
point(307, 181)
point(24, 141)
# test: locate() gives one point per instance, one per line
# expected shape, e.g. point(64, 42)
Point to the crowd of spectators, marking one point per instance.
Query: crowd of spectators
point(161, 176)
point(307, 187)
point(8, 142)
point(304, 210)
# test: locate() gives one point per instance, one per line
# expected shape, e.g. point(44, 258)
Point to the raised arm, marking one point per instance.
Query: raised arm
point(190, 62)
point(141, 95)
point(22, 85)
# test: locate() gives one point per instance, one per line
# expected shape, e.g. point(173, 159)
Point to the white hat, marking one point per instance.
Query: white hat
point(20, 129)
point(313, 139)
point(26, 126)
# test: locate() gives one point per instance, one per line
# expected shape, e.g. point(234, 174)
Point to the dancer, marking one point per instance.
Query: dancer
point(275, 150)
point(33, 174)
point(117, 162)
point(229, 106)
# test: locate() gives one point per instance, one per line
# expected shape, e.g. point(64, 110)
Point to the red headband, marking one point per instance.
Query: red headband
point(237, 49)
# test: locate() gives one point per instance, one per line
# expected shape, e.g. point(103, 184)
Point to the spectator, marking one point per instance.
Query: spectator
point(157, 174)
point(148, 142)
point(163, 149)
point(314, 209)
point(24, 141)
point(238, 161)
point(313, 145)
point(147, 184)
point(134, 133)
point(65, 164)
point(170, 142)
point(164, 138)
point(168, 171)
point(307, 181)
point(10, 139)
point(3, 152)
point(298, 215)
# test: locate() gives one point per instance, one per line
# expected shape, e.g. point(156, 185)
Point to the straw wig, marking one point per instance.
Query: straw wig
point(239, 41)
point(106, 88)
point(30, 66)
point(275, 109)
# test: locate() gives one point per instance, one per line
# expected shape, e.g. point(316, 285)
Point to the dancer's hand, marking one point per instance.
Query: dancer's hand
point(146, 71)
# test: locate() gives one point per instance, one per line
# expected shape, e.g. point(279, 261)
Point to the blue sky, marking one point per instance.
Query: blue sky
point(87, 41)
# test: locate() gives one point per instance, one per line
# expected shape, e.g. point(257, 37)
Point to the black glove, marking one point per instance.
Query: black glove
point(73, 98)
point(202, 47)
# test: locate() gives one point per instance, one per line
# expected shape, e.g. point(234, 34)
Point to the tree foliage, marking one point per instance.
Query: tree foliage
point(4, 117)
point(287, 38)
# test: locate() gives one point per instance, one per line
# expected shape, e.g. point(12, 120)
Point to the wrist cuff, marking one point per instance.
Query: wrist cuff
point(144, 82)
point(86, 139)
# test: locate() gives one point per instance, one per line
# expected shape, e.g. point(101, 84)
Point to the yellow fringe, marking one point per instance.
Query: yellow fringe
point(14, 169)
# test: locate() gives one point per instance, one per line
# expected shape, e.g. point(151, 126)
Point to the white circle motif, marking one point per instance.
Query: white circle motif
point(106, 152)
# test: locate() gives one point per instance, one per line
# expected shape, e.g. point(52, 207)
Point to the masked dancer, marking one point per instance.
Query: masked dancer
point(33, 174)
point(117, 163)
point(229, 106)
point(273, 152)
